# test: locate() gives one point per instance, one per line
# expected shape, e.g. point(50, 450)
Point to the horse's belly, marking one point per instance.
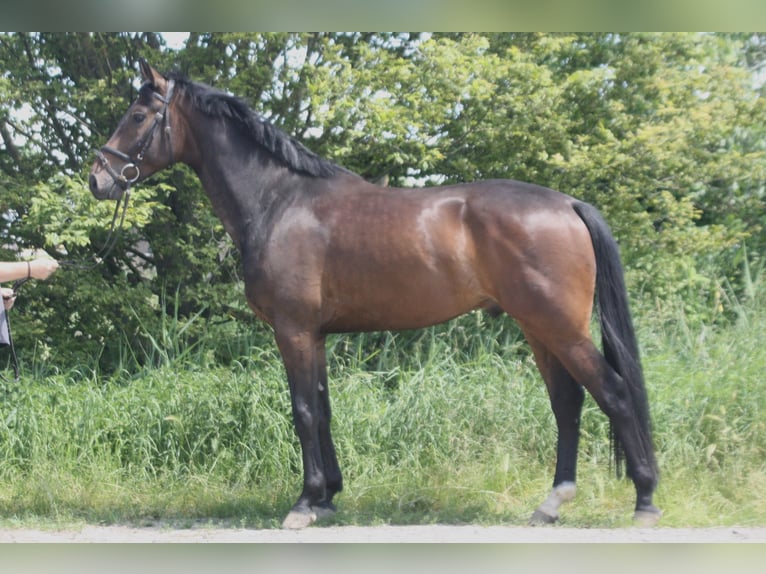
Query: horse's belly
point(406, 301)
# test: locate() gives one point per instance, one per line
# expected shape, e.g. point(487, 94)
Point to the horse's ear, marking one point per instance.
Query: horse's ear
point(149, 74)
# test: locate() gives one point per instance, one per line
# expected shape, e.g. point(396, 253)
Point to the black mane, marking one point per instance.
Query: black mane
point(285, 149)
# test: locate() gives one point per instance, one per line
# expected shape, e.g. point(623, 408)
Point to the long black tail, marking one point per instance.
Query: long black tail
point(618, 336)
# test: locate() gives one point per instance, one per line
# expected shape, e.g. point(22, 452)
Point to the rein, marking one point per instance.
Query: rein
point(111, 239)
point(100, 256)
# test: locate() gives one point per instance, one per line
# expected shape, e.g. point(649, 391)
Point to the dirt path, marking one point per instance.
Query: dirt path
point(428, 533)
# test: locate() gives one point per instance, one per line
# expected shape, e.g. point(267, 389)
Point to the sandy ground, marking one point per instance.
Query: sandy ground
point(405, 534)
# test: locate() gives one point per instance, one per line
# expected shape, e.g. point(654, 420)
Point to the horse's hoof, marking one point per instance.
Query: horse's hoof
point(540, 518)
point(647, 518)
point(303, 518)
point(548, 511)
point(298, 519)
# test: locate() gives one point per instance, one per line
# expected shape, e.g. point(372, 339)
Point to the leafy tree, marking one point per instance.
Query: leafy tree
point(663, 132)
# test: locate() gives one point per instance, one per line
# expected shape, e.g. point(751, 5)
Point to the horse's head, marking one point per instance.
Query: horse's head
point(142, 144)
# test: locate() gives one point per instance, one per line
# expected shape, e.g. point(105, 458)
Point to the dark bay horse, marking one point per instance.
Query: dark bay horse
point(324, 251)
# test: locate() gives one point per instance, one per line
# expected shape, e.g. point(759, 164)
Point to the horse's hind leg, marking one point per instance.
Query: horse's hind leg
point(566, 397)
point(584, 361)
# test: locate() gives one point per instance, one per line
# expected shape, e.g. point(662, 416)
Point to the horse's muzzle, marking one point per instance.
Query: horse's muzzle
point(107, 188)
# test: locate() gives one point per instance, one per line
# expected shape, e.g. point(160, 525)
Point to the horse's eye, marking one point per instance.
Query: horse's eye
point(139, 118)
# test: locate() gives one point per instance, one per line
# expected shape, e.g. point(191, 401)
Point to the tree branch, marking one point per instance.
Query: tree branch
point(10, 147)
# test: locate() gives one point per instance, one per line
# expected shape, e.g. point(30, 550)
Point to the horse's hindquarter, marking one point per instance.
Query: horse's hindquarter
point(535, 255)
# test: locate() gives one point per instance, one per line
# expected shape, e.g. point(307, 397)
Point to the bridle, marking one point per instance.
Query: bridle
point(130, 172)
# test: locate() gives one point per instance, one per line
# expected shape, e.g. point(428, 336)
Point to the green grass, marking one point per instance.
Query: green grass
point(447, 425)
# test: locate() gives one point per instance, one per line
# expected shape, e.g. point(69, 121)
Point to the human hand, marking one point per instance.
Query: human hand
point(9, 298)
point(42, 268)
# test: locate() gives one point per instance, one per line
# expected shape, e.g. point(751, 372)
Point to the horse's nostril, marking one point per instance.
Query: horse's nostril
point(93, 184)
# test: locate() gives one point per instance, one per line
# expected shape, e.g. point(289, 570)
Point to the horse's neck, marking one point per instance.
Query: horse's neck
point(245, 186)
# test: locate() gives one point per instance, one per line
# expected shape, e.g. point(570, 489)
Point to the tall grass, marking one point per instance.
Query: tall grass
point(449, 424)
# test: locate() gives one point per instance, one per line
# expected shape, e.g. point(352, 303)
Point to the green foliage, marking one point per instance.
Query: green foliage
point(63, 211)
point(663, 132)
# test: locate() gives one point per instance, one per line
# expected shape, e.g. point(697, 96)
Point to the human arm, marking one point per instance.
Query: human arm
point(40, 268)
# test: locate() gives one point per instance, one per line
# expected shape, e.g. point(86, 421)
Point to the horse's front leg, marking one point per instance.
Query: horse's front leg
point(332, 472)
point(298, 349)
